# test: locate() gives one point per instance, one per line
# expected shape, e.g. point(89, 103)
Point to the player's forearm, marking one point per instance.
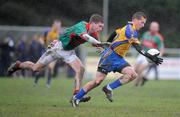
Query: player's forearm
point(139, 49)
point(112, 36)
point(161, 52)
point(91, 39)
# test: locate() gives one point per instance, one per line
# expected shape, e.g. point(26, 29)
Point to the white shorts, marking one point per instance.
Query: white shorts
point(141, 60)
point(57, 52)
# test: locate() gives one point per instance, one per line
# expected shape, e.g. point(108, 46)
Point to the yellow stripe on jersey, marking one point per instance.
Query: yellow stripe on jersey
point(125, 37)
point(118, 31)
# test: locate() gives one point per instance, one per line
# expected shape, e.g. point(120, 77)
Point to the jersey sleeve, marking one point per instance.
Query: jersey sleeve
point(162, 40)
point(111, 37)
point(143, 36)
point(118, 31)
point(160, 44)
point(128, 32)
point(131, 34)
point(78, 30)
point(114, 35)
point(81, 29)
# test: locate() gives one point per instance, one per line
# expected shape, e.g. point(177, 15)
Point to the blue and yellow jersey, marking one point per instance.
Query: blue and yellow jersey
point(124, 38)
point(50, 35)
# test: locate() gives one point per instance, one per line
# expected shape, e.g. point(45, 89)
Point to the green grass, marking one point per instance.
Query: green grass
point(18, 98)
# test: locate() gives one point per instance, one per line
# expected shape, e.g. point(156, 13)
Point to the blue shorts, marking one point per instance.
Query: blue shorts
point(110, 61)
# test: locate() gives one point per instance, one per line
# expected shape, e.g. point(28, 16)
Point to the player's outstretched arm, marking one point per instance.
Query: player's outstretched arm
point(111, 37)
point(91, 39)
point(95, 42)
point(157, 60)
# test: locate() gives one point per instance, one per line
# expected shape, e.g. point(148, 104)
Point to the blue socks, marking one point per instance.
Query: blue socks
point(80, 94)
point(114, 84)
point(110, 86)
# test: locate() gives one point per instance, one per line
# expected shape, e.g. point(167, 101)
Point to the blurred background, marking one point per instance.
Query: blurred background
point(22, 24)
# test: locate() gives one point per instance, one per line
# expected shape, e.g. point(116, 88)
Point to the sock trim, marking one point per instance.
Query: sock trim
point(108, 87)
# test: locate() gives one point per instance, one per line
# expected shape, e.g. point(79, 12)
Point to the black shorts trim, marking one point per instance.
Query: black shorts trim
point(122, 67)
point(102, 70)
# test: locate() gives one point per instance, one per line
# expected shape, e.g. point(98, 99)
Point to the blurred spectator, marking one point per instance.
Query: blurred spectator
point(150, 39)
point(49, 36)
point(22, 48)
point(21, 52)
point(7, 47)
point(36, 48)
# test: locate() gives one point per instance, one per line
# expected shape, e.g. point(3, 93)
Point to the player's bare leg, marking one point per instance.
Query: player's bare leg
point(78, 67)
point(51, 66)
point(88, 87)
point(36, 68)
point(139, 70)
point(14, 67)
point(50, 73)
point(25, 65)
point(129, 74)
point(95, 82)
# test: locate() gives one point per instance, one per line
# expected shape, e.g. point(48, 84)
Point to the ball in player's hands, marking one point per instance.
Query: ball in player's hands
point(153, 52)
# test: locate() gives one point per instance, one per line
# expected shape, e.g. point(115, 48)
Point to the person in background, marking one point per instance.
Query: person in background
point(7, 49)
point(150, 39)
point(22, 53)
point(49, 36)
point(64, 48)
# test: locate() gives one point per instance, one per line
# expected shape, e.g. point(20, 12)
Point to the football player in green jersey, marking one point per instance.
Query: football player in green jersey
point(64, 49)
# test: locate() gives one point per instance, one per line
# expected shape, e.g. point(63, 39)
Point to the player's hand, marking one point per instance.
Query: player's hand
point(103, 44)
point(99, 50)
point(157, 60)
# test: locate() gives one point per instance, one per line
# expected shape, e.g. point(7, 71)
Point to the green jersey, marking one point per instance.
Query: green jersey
point(73, 35)
point(149, 41)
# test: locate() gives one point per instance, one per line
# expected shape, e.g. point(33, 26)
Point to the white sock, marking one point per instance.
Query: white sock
point(108, 87)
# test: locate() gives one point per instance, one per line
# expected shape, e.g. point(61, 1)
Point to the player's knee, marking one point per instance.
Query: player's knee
point(127, 78)
point(98, 82)
point(80, 70)
point(50, 68)
point(133, 75)
point(36, 68)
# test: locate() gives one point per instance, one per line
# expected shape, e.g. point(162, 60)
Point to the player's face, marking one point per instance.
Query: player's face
point(57, 25)
point(154, 27)
point(97, 27)
point(139, 23)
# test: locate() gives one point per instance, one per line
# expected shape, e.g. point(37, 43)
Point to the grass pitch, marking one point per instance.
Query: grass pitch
point(19, 98)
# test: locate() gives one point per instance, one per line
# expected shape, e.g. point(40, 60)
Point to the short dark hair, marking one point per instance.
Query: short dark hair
point(96, 18)
point(139, 15)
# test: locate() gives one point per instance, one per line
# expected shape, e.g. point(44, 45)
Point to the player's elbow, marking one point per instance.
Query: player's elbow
point(36, 69)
